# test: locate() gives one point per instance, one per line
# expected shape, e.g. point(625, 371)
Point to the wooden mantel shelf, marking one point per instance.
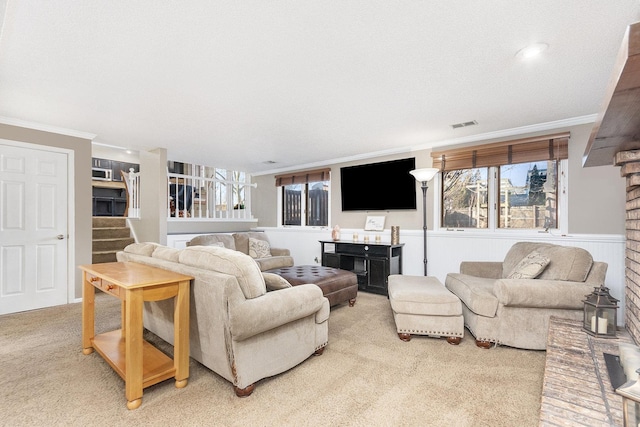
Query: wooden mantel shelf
point(617, 127)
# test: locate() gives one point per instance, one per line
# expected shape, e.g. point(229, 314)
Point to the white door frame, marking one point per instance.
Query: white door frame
point(71, 202)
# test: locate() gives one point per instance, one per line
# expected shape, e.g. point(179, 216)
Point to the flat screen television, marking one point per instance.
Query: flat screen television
point(379, 186)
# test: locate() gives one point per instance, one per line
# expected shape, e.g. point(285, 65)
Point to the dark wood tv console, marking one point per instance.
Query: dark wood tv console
point(372, 262)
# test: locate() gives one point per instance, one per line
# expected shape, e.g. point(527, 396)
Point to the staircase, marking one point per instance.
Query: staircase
point(110, 235)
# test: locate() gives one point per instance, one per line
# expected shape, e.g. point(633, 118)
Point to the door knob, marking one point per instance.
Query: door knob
point(60, 236)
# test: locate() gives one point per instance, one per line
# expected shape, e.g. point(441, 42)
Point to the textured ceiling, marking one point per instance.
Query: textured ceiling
point(236, 83)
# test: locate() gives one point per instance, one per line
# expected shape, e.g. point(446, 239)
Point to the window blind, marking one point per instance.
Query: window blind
point(535, 149)
point(303, 177)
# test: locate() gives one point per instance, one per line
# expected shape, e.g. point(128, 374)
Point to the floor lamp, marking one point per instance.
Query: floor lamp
point(424, 176)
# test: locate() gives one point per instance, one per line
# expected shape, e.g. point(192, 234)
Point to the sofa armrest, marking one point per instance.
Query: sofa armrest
point(280, 252)
point(537, 293)
point(486, 269)
point(273, 309)
point(273, 262)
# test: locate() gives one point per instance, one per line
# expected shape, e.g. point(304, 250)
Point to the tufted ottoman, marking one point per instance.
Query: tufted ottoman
point(423, 306)
point(337, 285)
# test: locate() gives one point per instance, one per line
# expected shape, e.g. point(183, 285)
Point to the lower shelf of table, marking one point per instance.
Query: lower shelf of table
point(156, 366)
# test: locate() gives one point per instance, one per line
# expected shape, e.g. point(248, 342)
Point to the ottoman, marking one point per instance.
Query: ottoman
point(337, 285)
point(423, 306)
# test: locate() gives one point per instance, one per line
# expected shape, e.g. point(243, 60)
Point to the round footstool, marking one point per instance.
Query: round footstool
point(423, 306)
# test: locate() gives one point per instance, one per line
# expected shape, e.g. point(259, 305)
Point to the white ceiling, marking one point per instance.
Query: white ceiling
point(236, 83)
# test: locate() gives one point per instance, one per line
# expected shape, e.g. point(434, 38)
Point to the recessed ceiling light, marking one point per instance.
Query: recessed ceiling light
point(532, 50)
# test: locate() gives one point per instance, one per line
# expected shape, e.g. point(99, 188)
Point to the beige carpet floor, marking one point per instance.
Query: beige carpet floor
point(365, 377)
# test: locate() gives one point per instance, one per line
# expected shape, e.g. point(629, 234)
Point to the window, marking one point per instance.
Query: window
point(304, 198)
point(528, 195)
point(507, 185)
point(464, 198)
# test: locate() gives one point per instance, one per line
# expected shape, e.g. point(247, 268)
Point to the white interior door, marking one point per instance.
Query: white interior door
point(33, 228)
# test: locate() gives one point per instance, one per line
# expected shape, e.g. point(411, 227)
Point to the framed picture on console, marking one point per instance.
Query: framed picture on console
point(374, 223)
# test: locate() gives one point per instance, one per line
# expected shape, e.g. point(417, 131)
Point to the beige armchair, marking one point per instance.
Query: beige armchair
point(503, 304)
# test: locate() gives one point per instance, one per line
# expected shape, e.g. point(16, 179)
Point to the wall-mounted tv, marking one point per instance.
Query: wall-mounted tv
point(379, 186)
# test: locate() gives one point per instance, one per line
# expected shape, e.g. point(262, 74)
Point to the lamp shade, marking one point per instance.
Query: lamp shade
point(425, 174)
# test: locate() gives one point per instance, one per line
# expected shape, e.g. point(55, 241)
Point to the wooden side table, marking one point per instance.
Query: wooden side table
point(138, 363)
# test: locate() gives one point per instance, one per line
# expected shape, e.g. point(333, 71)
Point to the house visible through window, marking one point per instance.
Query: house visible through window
point(304, 198)
point(528, 197)
point(508, 185)
point(464, 198)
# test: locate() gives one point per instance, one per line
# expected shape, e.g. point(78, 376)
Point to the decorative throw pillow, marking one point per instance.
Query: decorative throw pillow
point(275, 282)
point(530, 267)
point(259, 248)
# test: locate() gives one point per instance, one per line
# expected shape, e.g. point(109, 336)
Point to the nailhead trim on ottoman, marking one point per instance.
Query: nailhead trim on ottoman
point(423, 306)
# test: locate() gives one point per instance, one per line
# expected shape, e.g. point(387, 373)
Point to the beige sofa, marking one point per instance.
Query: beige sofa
point(515, 311)
point(278, 257)
point(237, 329)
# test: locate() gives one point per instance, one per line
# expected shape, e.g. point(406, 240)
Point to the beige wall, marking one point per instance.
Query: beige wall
point(596, 195)
point(82, 186)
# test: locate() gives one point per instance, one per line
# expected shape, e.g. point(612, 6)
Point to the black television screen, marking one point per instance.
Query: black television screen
point(379, 186)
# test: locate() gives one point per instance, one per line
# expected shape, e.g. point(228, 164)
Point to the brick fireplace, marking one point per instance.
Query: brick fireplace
point(629, 162)
point(615, 136)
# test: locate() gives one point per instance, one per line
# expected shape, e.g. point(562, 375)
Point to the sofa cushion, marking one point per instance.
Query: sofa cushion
point(167, 254)
point(475, 292)
point(145, 249)
point(275, 282)
point(217, 239)
point(516, 253)
point(227, 261)
point(566, 262)
point(242, 239)
point(530, 267)
point(259, 248)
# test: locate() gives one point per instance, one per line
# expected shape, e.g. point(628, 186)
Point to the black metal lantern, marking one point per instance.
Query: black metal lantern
point(600, 313)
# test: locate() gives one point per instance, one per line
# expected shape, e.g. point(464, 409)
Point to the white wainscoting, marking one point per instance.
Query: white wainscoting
point(179, 241)
point(446, 249)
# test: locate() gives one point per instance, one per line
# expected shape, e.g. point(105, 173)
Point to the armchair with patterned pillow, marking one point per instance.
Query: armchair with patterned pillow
point(510, 302)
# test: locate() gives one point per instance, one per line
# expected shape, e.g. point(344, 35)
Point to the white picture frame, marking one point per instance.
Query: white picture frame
point(374, 223)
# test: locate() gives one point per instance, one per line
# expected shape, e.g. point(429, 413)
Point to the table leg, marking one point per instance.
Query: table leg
point(181, 334)
point(88, 314)
point(123, 320)
point(133, 348)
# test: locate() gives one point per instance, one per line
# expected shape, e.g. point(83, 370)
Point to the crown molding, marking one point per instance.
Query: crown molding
point(46, 128)
point(540, 127)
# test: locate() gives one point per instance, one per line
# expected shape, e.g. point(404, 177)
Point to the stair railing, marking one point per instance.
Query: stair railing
point(132, 183)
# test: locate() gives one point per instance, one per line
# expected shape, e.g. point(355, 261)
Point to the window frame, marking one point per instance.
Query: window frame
point(492, 184)
point(305, 197)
